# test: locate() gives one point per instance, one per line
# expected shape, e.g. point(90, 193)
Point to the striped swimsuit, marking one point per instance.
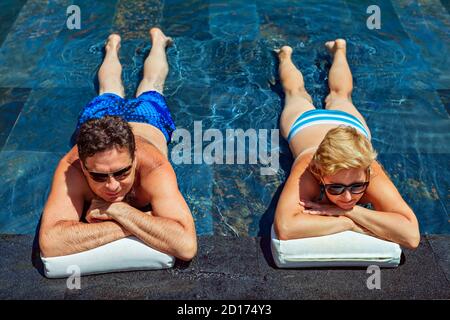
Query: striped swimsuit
point(324, 116)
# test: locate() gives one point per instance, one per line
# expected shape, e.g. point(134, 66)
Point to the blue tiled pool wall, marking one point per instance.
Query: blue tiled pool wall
point(222, 71)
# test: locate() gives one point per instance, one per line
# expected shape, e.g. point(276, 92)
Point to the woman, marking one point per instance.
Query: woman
point(335, 170)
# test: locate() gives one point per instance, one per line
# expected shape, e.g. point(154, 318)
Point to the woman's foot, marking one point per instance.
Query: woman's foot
point(285, 52)
point(338, 44)
point(113, 42)
point(158, 37)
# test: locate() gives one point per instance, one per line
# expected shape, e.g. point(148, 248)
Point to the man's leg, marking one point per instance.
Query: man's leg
point(156, 67)
point(340, 81)
point(297, 100)
point(110, 73)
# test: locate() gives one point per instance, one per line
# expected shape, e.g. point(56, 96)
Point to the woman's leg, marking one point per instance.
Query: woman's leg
point(297, 100)
point(110, 73)
point(340, 81)
point(156, 67)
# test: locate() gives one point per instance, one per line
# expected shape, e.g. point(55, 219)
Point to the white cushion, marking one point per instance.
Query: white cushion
point(344, 249)
point(121, 255)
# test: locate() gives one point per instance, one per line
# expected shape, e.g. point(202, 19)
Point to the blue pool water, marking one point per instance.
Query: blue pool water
point(222, 71)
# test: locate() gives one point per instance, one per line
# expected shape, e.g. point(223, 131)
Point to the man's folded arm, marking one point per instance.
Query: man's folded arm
point(170, 228)
point(61, 232)
point(69, 237)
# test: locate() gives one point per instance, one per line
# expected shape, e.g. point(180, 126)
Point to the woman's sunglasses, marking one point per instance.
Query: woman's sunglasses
point(118, 175)
point(337, 189)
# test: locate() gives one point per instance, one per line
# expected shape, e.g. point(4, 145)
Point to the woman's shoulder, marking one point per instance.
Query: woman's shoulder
point(381, 191)
point(377, 170)
point(307, 184)
point(302, 162)
point(300, 170)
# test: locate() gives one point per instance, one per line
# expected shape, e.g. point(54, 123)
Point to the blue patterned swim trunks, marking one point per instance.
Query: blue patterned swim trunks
point(150, 107)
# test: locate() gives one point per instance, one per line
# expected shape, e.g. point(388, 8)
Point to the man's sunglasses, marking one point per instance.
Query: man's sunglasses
point(118, 175)
point(336, 189)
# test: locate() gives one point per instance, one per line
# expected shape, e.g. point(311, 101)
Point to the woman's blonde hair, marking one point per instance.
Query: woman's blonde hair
point(342, 148)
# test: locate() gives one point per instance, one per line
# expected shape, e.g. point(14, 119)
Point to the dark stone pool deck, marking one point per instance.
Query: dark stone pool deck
point(231, 268)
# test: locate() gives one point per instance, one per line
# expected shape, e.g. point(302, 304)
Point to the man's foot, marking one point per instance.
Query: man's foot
point(158, 37)
point(284, 52)
point(113, 42)
point(338, 44)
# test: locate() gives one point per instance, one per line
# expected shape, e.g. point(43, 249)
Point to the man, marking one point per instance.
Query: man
point(120, 166)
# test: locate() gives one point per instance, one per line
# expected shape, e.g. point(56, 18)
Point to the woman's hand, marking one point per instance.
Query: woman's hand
point(322, 209)
point(360, 229)
point(333, 210)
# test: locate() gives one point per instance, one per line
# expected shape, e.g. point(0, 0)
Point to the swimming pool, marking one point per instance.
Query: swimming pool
point(222, 71)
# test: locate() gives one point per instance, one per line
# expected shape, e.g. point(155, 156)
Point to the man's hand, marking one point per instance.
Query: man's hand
point(100, 210)
point(322, 209)
point(96, 212)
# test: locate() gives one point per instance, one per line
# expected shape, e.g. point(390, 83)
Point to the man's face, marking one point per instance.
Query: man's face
point(121, 169)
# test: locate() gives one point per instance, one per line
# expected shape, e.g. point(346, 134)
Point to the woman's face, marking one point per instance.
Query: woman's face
point(346, 200)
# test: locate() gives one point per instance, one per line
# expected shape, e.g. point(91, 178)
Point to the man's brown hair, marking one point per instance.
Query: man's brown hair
point(98, 135)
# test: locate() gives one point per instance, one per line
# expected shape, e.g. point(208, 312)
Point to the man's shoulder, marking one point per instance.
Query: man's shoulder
point(70, 162)
point(154, 170)
point(150, 158)
point(69, 171)
point(71, 156)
